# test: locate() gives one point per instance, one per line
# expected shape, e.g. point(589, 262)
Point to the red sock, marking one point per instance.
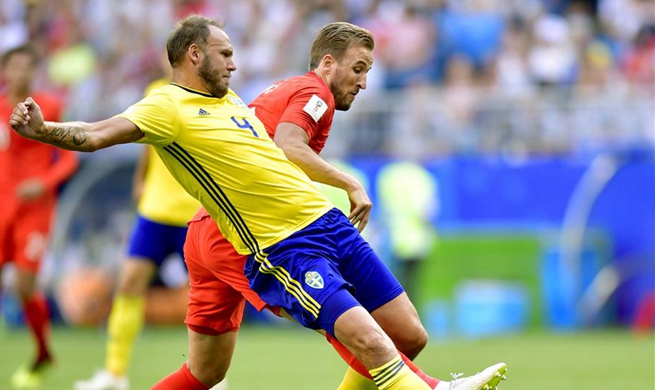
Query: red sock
point(356, 365)
point(645, 316)
point(37, 316)
point(432, 382)
point(181, 379)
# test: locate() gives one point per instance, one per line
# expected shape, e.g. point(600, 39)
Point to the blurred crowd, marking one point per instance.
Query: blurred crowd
point(450, 76)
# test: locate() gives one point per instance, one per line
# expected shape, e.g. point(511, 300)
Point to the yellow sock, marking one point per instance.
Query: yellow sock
point(353, 381)
point(125, 324)
point(395, 375)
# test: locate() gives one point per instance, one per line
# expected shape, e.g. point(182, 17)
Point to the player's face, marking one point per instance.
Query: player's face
point(350, 76)
point(218, 64)
point(19, 72)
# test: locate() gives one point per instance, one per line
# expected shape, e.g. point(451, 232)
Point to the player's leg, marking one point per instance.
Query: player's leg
point(380, 292)
point(214, 314)
point(376, 288)
point(400, 320)
point(357, 377)
point(37, 315)
point(149, 245)
point(29, 235)
point(123, 327)
point(209, 359)
point(342, 317)
point(127, 314)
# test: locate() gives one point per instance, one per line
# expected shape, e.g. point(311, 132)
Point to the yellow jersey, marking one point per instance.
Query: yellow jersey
point(156, 84)
point(221, 154)
point(163, 199)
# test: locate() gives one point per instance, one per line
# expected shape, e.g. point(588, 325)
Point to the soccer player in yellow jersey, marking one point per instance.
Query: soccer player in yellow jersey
point(263, 204)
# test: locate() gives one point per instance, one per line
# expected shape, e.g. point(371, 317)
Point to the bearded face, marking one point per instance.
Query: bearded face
point(213, 77)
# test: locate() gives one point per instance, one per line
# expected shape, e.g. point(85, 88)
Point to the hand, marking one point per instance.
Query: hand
point(360, 207)
point(30, 189)
point(27, 119)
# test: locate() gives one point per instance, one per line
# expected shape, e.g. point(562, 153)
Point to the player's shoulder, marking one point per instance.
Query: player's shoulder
point(167, 95)
point(306, 83)
point(311, 88)
point(165, 90)
point(233, 98)
point(156, 85)
point(311, 80)
point(165, 101)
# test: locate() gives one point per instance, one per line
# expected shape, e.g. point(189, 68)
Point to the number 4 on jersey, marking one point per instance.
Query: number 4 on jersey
point(245, 125)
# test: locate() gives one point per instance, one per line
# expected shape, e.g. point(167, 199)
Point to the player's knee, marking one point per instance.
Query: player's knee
point(132, 287)
point(417, 343)
point(215, 378)
point(411, 343)
point(207, 373)
point(25, 289)
point(372, 342)
point(24, 293)
point(135, 277)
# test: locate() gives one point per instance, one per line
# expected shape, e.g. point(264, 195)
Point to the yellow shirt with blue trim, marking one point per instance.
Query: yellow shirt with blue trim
point(220, 153)
point(163, 199)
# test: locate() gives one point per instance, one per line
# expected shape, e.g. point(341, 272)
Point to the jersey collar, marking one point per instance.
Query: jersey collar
point(193, 91)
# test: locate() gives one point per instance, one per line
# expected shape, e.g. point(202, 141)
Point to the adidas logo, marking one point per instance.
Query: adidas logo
point(202, 112)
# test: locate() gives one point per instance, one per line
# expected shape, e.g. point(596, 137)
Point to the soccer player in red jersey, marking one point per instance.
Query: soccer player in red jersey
point(30, 175)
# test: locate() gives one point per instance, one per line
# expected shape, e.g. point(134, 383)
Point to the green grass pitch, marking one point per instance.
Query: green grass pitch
point(284, 358)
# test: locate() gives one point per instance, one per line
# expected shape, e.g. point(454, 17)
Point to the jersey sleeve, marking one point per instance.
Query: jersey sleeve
point(306, 108)
point(157, 116)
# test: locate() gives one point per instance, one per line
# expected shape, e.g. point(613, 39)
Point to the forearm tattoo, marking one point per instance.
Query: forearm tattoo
point(64, 135)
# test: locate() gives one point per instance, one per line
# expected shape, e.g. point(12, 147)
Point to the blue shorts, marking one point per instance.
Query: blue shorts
point(321, 271)
point(155, 242)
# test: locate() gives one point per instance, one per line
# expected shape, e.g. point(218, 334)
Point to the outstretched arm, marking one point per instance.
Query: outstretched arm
point(27, 120)
point(294, 141)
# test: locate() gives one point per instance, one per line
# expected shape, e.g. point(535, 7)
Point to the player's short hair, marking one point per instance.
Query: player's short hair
point(22, 49)
point(335, 38)
point(190, 30)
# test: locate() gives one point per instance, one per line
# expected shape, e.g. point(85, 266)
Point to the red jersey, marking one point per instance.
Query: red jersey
point(22, 158)
point(305, 101)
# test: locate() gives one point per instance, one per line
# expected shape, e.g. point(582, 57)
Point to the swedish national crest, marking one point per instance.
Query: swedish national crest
point(314, 280)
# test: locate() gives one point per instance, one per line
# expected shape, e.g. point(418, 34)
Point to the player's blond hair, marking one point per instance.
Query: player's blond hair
point(335, 38)
point(190, 30)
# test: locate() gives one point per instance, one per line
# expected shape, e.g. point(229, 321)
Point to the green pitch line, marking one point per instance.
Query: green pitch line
point(294, 359)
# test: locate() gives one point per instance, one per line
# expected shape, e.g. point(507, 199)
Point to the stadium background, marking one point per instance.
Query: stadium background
point(534, 118)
